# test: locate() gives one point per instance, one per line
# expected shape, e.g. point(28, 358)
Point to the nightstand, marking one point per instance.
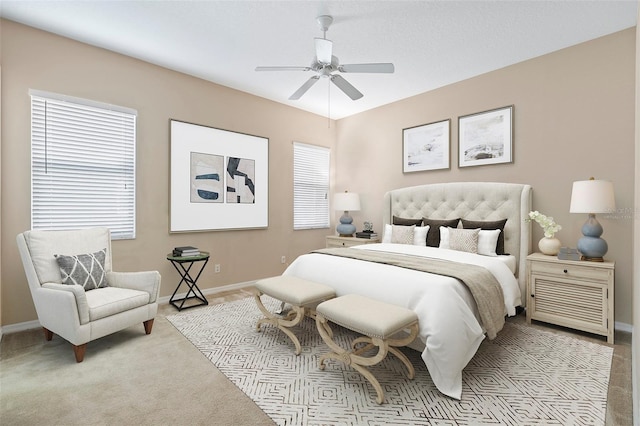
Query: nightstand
point(574, 294)
point(336, 241)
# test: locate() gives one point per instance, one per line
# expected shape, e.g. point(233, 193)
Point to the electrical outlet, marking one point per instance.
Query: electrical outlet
point(217, 268)
point(283, 259)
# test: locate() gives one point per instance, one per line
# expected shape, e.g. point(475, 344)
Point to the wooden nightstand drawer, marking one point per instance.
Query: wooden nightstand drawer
point(570, 270)
point(336, 241)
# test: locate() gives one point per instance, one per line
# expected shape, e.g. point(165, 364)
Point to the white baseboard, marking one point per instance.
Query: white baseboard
point(635, 380)
point(622, 326)
point(29, 325)
point(21, 326)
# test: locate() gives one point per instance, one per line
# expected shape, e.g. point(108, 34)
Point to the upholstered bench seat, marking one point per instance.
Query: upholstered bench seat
point(380, 323)
point(302, 295)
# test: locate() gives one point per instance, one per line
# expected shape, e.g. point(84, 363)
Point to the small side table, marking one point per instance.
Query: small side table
point(183, 265)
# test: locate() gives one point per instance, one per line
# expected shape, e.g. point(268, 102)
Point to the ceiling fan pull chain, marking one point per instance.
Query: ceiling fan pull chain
point(328, 105)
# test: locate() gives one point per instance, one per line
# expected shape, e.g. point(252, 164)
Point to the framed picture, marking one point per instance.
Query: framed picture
point(219, 179)
point(426, 147)
point(486, 137)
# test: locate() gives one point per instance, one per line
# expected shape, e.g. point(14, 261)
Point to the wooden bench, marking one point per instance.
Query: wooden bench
point(378, 322)
point(302, 295)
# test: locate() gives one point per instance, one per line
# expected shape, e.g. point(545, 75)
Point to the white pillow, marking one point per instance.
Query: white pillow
point(444, 237)
point(419, 234)
point(386, 235)
point(487, 241)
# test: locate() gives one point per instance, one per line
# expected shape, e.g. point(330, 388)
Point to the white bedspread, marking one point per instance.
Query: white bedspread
point(449, 325)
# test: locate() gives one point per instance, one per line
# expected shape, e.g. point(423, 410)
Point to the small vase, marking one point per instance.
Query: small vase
point(549, 246)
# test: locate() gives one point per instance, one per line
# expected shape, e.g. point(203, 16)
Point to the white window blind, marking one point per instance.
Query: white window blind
point(310, 186)
point(82, 165)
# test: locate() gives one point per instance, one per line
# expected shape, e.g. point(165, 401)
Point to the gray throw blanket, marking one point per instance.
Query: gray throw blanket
point(483, 286)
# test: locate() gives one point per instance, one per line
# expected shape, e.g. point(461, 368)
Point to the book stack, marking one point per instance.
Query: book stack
point(186, 251)
point(369, 235)
point(567, 253)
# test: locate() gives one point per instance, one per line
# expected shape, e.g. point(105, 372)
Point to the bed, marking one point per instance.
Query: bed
point(453, 320)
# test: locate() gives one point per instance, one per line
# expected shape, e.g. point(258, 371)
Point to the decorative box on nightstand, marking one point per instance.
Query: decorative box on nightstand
point(575, 294)
point(336, 241)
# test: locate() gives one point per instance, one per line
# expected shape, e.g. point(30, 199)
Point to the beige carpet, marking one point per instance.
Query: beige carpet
point(525, 376)
point(127, 378)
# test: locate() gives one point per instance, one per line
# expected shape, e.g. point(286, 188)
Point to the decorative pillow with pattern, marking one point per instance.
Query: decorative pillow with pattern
point(446, 234)
point(86, 270)
point(419, 234)
point(402, 234)
point(464, 239)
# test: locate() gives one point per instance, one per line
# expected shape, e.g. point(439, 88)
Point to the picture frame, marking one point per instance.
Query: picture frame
point(486, 137)
point(426, 147)
point(218, 179)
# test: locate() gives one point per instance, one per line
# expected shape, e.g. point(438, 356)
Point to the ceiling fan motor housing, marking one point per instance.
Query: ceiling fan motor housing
point(325, 22)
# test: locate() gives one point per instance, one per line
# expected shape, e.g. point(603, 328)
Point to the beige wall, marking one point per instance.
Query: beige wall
point(573, 118)
point(34, 59)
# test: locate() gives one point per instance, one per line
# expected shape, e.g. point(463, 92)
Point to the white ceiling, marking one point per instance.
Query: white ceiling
point(432, 43)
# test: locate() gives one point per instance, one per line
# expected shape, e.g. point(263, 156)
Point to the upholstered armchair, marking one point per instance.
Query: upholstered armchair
point(76, 294)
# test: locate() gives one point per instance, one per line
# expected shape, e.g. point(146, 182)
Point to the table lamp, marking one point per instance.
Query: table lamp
point(591, 197)
point(346, 201)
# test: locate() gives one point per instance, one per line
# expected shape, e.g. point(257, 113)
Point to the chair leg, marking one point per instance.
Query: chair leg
point(48, 334)
point(148, 325)
point(79, 351)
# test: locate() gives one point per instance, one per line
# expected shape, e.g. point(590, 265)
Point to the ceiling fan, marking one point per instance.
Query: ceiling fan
point(326, 65)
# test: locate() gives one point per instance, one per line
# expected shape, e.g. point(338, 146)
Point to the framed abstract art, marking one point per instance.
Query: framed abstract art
point(219, 179)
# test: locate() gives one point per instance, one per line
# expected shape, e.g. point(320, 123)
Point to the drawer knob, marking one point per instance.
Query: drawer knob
point(533, 295)
point(565, 271)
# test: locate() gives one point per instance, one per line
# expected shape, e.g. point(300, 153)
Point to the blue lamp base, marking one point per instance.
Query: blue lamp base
point(591, 246)
point(346, 228)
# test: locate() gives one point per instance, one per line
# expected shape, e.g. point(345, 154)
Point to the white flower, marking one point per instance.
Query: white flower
point(546, 223)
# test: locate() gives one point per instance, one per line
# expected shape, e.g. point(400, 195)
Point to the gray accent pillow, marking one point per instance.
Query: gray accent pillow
point(86, 270)
point(433, 236)
point(488, 225)
point(406, 222)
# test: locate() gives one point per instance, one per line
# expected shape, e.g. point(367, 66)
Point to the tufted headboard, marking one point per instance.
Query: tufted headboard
point(472, 201)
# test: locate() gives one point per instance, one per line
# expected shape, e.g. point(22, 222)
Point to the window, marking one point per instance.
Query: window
point(82, 164)
point(310, 186)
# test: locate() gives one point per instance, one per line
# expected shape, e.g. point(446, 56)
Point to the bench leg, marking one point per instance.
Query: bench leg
point(292, 319)
point(353, 358)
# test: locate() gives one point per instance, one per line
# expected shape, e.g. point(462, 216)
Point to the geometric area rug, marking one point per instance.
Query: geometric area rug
point(525, 376)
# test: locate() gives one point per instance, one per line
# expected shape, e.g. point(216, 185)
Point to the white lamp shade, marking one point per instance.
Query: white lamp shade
point(346, 201)
point(592, 196)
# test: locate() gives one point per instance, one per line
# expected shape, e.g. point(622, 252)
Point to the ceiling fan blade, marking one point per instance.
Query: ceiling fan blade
point(346, 87)
point(324, 50)
point(303, 89)
point(372, 68)
point(283, 69)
